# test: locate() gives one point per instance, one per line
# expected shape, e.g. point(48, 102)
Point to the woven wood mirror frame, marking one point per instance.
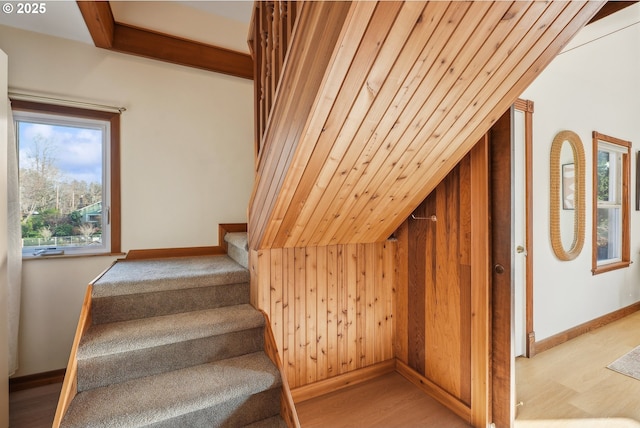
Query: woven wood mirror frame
point(556, 191)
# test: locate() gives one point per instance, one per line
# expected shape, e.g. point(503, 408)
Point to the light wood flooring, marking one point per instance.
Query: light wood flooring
point(386, 401)
point(568, 381)
point(571, 380)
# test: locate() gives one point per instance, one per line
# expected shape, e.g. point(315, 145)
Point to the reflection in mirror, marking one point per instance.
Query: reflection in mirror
point(567, 195)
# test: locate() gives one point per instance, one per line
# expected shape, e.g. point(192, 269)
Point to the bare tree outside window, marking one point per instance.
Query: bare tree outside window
point(39, 178)
point(69, 161)
point(61, 181)
point(87, 230)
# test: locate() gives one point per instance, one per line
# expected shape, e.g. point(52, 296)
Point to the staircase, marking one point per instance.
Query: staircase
point(174, 343)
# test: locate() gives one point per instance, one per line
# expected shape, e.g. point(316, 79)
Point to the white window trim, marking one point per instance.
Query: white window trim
point(621, 230)
point(104, 125)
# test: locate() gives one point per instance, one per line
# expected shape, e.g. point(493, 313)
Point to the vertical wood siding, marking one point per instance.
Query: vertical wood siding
point(434, 295)
point(330, 308)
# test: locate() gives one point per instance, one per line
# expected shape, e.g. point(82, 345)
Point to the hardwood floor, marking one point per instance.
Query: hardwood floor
point(34, 408)
point(568, 381)
point(571, 380)
point(386, 401)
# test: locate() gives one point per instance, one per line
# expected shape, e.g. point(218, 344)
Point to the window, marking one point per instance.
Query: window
point(610, 203)
point(69, 179)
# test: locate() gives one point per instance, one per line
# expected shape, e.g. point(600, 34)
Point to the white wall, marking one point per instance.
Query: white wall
point(4, 357)
point(589, 87)
point(187, 165)
point(169, 18)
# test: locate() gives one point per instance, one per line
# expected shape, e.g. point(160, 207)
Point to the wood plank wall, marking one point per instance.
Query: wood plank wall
point(331, 308)
point(434, 301)
point(378, 101)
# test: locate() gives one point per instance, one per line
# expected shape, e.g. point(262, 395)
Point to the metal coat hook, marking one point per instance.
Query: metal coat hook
point(431, 217)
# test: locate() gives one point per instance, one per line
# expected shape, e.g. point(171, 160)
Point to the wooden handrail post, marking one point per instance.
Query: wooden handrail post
point(269, 39)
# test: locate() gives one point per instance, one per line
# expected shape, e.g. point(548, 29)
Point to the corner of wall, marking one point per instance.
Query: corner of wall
point(4, 361)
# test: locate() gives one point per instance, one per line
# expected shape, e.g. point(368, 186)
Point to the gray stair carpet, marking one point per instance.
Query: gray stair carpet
point(273, 422)
point(165, 399)
point(130, 349)
point(144, 288)
point(174, 343)
point(238, 247)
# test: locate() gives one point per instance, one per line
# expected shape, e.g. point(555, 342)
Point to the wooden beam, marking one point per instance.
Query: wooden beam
point(149, 44)
point(99, 20)
point(609, 8)
point(109, 34)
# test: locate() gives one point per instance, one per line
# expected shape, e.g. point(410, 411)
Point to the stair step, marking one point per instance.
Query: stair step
point(272, 422)
point(232, 392)
point(144, 276)
point(238, 247)
point(121, 351)
point(145, 288)
point(237, 239)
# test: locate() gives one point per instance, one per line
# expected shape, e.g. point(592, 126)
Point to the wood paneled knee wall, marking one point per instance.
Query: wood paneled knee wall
point(330, 308)
point(421, 298)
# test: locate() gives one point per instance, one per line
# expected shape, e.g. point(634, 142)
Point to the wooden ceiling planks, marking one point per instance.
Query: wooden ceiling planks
point(390, 100)
point(404, 97)
point(446, 134)
point(419, 115)
point(473, 111)
point(332, 143)
point(297, 111)
point(557, 33)
point(350, 110)
point(295, 99)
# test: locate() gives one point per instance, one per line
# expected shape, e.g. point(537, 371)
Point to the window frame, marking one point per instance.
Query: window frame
point(114, 206)
point(625, 180)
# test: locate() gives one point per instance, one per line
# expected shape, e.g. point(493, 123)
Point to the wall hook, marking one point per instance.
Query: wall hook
point(431, 217)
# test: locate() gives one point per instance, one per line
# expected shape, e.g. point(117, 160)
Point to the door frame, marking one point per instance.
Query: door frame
point(527, 107)
point(502, 275)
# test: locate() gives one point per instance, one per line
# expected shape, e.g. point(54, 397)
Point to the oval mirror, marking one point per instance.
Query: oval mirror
point(567, 195)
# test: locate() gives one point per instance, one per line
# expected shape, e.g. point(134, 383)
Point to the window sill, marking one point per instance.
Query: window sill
point(26, 258)
point(611, 266)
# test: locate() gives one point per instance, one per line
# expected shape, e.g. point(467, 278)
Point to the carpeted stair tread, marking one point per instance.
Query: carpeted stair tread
point(272, 422)
point(238, 247)
point(238, 239)
point(123, 336)
point(154, 399)
point(146, 276)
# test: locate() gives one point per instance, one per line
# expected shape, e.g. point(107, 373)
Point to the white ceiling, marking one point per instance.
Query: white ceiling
point(219, 23)
point(62, 18)
point(611, 24)
point(236, 10)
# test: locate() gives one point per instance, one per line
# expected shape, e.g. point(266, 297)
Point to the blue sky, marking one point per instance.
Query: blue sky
point(77, 151)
